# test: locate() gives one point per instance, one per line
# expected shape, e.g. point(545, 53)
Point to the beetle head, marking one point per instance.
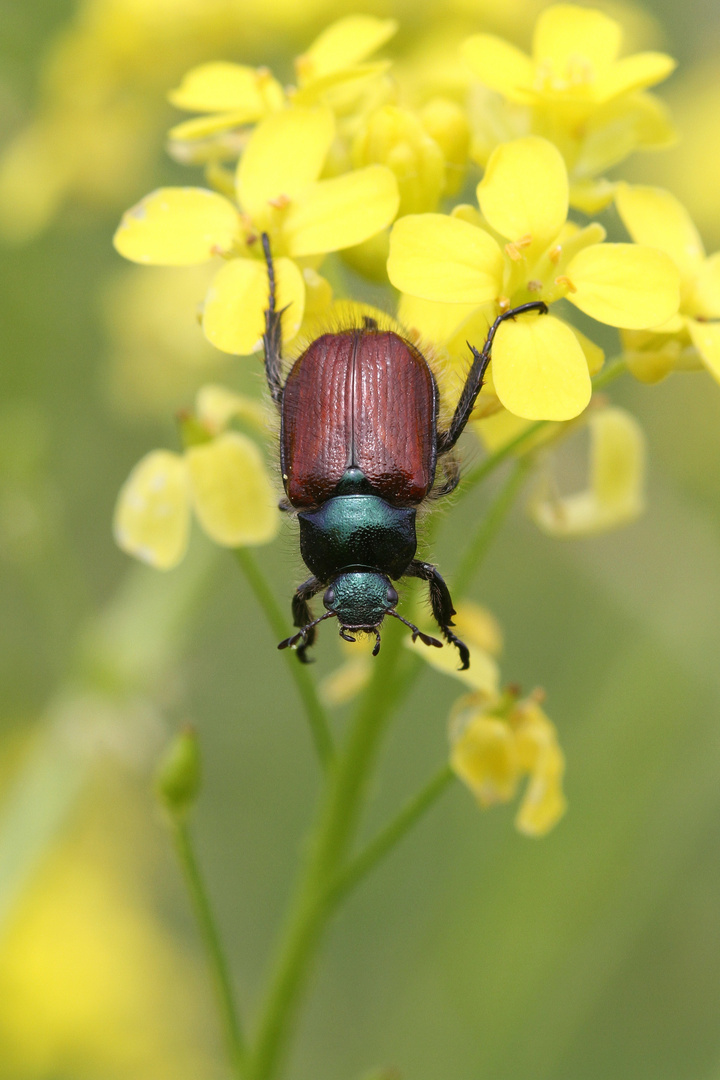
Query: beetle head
point(360, 599)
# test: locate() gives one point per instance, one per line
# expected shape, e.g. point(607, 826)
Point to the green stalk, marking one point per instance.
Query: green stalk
point(313, 903)
point(489, 527)
point(391, 835)
point(314, 711)
point(232, 1031)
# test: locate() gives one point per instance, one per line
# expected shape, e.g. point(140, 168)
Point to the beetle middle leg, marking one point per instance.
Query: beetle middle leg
point(441, 604)
point(474, 382)
point(272, 338)
point(302, 617)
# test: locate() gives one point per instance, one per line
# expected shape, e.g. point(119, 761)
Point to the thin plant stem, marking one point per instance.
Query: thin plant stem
point(391, 834)
point(232, 1030)
point(312, 904)
point(316, 715)
point(489, 527)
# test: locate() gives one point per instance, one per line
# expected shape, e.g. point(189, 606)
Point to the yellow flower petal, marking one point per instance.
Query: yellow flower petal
point(625, 285)
point(502, 427)
point(152, 513)
point(224, 87)
point(706, 294)
point(543, 803)
point(231, 491)
point(633, 73)
point(341, 212)
point(500, 65)
point(539, 369)
point(615, 491)
point(592, 196)
point(485, 758)
point(525, 190)
point(706, 339)
point(343, 44)
point(482, 675)
point(202, 127)
point(216, 406)
point(234, 314)
point(284, 154)
point(177, 227)
point(566, 36)
point(594, 355)
point(432, 322)
point(347, 681)
point(654, 217)
point(445, 259)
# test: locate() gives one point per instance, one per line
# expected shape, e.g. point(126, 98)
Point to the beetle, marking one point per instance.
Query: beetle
point(359, 449)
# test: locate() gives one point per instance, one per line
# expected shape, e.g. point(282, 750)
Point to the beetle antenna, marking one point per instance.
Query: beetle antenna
point(291, 642)
point(416, 633)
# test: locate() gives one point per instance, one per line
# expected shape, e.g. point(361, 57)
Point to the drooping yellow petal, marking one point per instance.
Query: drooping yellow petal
point(543, 803)
point(338, 213)
point(633, 73)
point(234, 313)
point(152, 513)
point(216, 406)
point(177, 227)
point(482, 675)
point(285, 153)
point(539, 369)
point(654, 217)
point(231, 491)
point(343, 44)
point(485, 758)
point(706, 339)
point(615, 491)
point(500, 66)
point(445, 259)
point(224, 87)
point(524, 192)
point(566, 36)
point(625, 285)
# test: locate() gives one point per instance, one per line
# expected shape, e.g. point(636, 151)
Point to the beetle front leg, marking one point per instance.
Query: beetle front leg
point(442, 606)
point(474, 382)
point(302, 615)
point(272, 338)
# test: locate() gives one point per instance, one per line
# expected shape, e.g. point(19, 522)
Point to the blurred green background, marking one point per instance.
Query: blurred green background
point(474, 953)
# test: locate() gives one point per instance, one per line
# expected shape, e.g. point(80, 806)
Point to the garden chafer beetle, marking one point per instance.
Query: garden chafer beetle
point(359, 448)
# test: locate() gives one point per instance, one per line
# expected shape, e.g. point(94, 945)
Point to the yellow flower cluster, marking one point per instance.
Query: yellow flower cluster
point(463, 194)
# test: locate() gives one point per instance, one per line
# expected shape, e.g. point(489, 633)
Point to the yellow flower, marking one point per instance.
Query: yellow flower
point(234, 95)
point(577, 92)
point(615, 491)
point(278, 192)
point(539, 369)
point(654, 216)
point(221, 477)
point(495, 744)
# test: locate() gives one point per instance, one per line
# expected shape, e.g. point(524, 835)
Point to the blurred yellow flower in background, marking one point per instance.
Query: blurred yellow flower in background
point(495, 743)
point(222, 477)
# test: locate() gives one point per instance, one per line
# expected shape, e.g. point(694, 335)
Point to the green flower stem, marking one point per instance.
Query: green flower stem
point(232, 1030)
point(391, 835)
point(489, 528)
point(346, 788)
point(316, 716)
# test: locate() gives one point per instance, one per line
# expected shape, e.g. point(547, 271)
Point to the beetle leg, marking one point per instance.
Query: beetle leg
point(272, 338)
point(473, 384)
point(441, 604)
point(306, 635)
point(416, 633)
point(302, 617)
point(451, 468)
point(286, 506)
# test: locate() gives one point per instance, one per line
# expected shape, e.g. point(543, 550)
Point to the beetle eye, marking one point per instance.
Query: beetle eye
point(392, 596)
point(329, 597)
